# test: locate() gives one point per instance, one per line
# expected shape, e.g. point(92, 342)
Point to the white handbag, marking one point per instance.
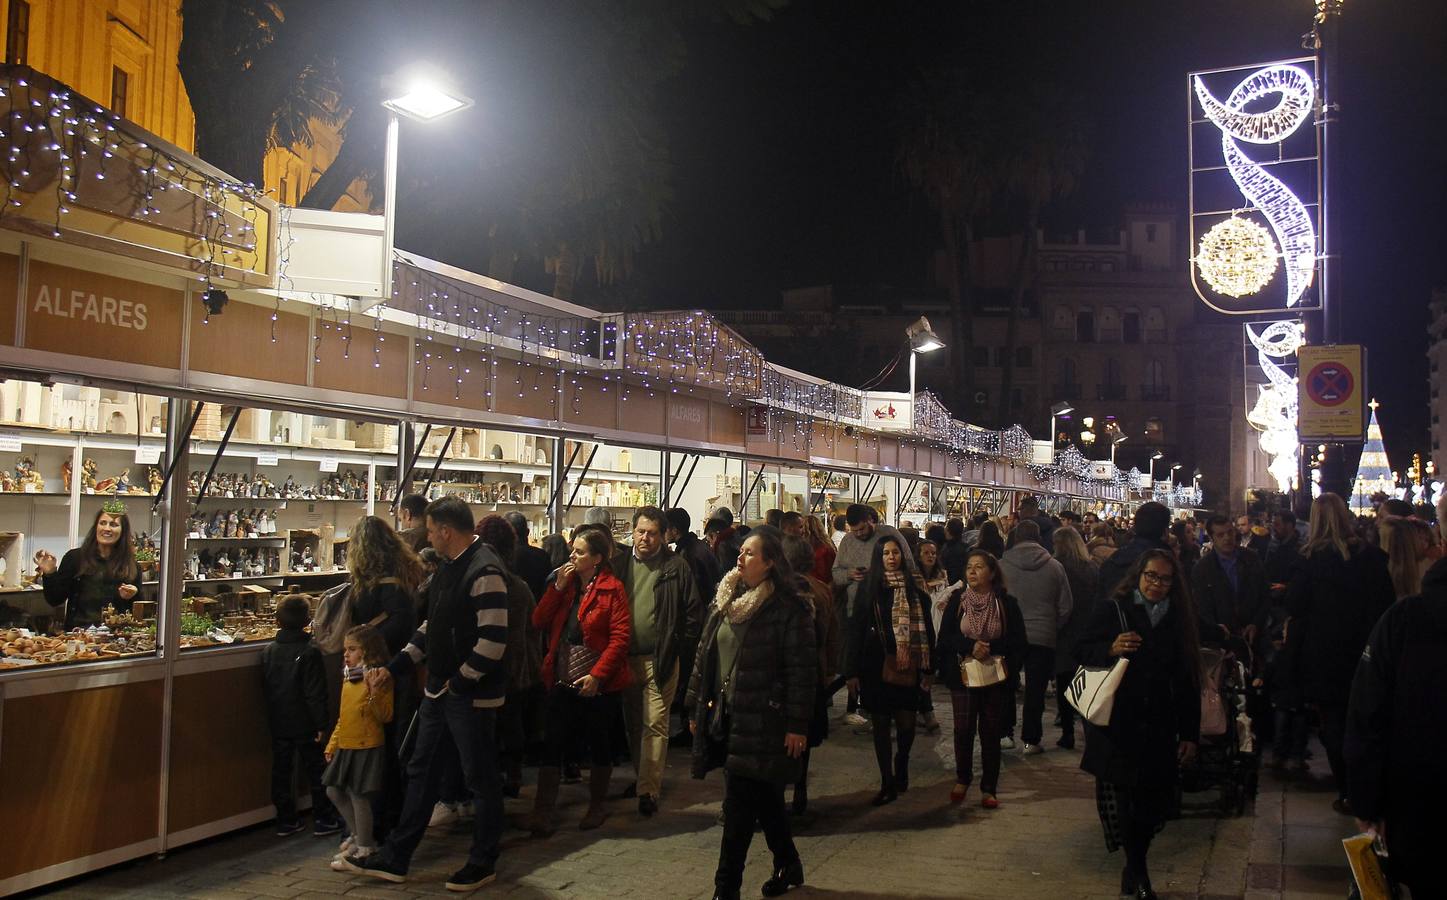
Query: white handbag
point(1092, 690)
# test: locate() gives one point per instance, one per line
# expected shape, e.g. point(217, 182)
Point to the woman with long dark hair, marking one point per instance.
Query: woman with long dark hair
point(1155, 723)
point(983, 623)
point(100, 572)
point(991, 541)
point(386, 575)
point(750, 700)
point(891, 658)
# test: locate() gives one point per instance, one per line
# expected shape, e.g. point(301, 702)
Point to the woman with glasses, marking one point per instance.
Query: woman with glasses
point(1155, 723)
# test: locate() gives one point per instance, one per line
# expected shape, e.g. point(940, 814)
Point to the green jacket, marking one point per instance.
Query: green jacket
point(678, 608)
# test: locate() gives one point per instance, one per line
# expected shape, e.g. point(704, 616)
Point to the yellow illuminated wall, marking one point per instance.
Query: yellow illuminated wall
point(114, 50)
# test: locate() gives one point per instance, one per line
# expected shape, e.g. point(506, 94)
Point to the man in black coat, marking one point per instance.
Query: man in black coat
point(1396, 727)
point(531, 563)
point(1229, 586)
point(1283, 554)
point(1151, 522)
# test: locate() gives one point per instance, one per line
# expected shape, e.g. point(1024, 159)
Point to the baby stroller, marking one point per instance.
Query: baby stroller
point(1227, 759)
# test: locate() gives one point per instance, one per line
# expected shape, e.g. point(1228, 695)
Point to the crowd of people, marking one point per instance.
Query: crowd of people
point(587, 650)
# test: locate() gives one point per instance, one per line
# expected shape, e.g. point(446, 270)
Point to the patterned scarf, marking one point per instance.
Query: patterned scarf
point(981, 620)
point(353, 674)
point(906, 619)
point(736, 601)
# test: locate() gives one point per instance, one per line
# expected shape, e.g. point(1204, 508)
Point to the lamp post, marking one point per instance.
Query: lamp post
point(421, 101)
point(1060, 409)
point(1119, 439)
point(1154, 456)
point(922, 339)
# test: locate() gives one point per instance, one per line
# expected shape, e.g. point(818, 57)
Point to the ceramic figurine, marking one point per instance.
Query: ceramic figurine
point(30, 481)
point(123, 482)
point(193, 484)
point(193, 565)
point(308, 561)
point(65, 473)
point(288, 487)
point(233, 525)
point(7, 481)
point(218, 526)
point(153, 481)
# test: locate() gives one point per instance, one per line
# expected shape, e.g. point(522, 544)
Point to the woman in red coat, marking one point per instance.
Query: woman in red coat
point(584, 615)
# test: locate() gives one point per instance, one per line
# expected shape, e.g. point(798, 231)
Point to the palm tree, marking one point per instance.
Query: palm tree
point(944, 153)
point(1044, 155)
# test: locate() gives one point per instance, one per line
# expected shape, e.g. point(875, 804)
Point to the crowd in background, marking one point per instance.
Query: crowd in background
point(467, 651)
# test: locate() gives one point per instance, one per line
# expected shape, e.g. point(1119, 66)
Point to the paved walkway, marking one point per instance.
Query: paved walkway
point(1044, 841)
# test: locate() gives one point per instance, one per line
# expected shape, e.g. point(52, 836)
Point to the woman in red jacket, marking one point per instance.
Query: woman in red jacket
point(584, 615)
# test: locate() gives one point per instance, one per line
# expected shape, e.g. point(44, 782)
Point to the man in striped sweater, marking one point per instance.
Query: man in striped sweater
point(462, 642)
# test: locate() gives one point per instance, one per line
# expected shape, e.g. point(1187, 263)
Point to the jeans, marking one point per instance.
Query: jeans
point(981, 709)
point(284, 752)
point(1039, 670)
point(451, 719)
point(746, 801)
point(645, 714)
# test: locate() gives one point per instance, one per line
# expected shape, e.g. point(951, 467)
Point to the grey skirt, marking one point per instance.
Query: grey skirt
point(358, 771)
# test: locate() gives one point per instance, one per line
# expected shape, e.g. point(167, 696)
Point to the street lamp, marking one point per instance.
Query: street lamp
point(1119, 439)
point(1060, 409)
point(1154, 456)
point(422, 101)
point(922, 339)
point(1087, 435)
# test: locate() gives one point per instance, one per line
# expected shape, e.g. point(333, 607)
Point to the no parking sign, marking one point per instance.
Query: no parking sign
point(1330, 385)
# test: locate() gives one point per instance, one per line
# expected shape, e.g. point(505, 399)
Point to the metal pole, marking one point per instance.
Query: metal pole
point(389, 201)
point(220, 449)
point(432, 476)
point(912, 355)
point(1328, 30)
point(587, 465)
point(172, 458)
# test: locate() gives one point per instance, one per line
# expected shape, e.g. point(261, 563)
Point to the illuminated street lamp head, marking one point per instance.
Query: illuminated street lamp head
point(1121, 439)
point(426, 101)
point(1061, 409)
point(1157, 455)
point(1175, 467)
point(922, 338)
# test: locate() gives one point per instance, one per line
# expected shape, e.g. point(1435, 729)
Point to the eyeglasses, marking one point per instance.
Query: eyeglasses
point(1157, 578)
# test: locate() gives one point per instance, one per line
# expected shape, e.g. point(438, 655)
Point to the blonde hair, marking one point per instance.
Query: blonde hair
point(1070, 545)
point(375, 551)
point(1331, 527)
point(1407, 542)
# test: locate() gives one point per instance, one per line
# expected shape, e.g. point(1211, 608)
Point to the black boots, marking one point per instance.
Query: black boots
point(785, 879)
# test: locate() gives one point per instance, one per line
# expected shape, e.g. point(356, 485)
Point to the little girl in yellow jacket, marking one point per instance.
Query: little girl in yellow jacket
point(356, 754)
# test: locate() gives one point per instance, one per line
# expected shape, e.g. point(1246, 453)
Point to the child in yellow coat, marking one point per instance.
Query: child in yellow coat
point(357, 754)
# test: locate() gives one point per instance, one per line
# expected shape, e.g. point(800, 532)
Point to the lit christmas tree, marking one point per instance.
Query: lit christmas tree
point(1374, 473)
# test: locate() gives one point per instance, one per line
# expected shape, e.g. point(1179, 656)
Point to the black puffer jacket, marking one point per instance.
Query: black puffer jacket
point(295, 685)
point(773, 691)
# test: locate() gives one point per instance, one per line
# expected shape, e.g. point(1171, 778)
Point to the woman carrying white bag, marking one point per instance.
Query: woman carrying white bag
point(1155, 718)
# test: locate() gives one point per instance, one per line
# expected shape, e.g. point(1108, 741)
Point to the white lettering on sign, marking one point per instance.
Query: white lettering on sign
point(9, 443)
point(680, 412)
point(89, 307)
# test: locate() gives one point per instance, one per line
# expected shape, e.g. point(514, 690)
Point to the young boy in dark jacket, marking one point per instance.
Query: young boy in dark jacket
point(296, 709)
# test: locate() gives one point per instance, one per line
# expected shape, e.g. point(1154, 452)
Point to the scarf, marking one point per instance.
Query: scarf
point(906, 619)
point(353, 674)
point(1154, 611)
point(981, 620)
point(737, 602)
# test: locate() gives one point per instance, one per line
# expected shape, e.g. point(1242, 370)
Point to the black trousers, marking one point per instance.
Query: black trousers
point(1333, 737)
point(1039, 670)
point(284, 752)
point(746, 801)
point(571, 717)
point(1067, 712)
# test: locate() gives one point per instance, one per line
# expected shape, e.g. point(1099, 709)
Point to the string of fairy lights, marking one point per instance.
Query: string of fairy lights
point(85, 155)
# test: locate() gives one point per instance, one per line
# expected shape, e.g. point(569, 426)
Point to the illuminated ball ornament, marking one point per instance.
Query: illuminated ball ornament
point(1237, 257)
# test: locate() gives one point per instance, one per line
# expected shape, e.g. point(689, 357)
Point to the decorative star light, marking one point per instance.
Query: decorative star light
point(1287, 215)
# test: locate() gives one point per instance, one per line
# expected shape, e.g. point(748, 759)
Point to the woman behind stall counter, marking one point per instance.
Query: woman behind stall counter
point(100, 572)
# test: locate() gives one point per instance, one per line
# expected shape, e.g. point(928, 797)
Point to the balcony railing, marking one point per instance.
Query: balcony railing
point(1110, 392)
point(1157, 393)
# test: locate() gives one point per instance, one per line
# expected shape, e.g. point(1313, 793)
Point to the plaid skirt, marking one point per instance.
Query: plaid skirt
point(1119, 804)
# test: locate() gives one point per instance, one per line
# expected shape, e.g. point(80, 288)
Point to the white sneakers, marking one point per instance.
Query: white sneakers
point(1032, 750)
point(448, 813)
point(855, 719)
point(1007, 743)
point(349, 848)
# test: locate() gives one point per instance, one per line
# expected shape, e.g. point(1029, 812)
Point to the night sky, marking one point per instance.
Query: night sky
point(782, 136)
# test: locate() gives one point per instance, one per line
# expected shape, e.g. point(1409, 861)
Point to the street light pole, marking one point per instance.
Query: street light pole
point(389, 201)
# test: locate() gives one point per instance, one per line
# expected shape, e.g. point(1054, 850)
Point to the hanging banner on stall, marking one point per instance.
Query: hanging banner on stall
point(886, 410)
point(1331, 387)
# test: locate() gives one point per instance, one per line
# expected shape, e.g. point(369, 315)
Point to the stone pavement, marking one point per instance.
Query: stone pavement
point(1044, 841)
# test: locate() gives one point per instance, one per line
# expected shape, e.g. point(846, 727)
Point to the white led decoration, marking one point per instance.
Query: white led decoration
point(1275, 411)
point(1287, 215)
point(1237, 257)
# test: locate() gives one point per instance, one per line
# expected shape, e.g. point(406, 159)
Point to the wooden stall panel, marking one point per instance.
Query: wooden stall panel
point(102, 317)
point(9, 289)
point(726, 426)
point(362, 367)
point(889, 452)
point(587, 404)
point(239, 343)
point(644, 414)
point(868, 450)
point(687, 419)
point(220, 747)
point(531, 391)
point(824, 440)
point(459, 378)
point(80, 773)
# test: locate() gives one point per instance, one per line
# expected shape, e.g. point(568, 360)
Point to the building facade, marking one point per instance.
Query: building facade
point(1437, 375)
point(122, 53)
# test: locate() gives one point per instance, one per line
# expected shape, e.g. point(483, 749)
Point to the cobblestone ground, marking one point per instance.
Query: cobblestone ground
point(1044, 841)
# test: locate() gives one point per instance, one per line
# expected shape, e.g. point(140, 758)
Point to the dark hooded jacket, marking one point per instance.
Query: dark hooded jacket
point(1334, 603)
point(1113, 570)
point(1397, 725)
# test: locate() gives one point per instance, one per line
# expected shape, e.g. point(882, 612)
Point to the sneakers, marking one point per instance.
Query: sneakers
point(1032, 750)
point(855, 719)
point(443, 814)
point(471, 877)
point(287, 829)
point(325, 827)
point(339, 862)
point(375, 865)
point(348, 845)
point(1007, 743)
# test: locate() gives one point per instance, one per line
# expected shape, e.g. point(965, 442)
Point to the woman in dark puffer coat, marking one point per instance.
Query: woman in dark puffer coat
point(751, 697)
